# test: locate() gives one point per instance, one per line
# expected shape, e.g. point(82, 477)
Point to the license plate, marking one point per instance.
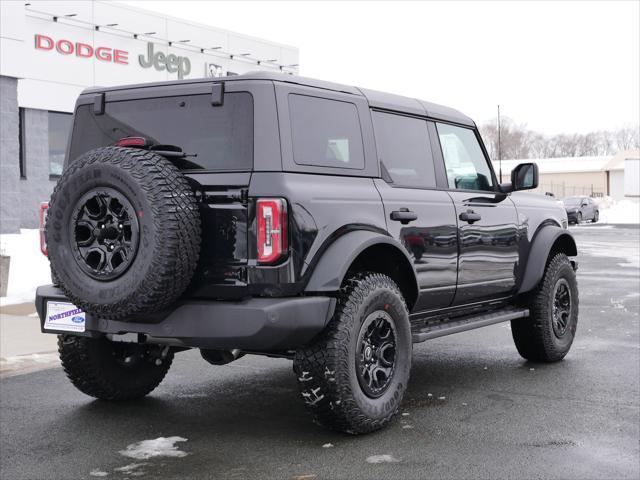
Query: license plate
point(64, 316)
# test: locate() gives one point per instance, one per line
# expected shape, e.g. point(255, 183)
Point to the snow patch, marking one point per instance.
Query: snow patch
point(626, 250)
point(132, 469)
point(158, 447)
point(28, 268)
point(382, 459)
point(98, 473)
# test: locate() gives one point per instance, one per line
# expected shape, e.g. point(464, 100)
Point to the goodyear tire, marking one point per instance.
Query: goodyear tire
point(123, 232)
point(353, 376)
point(548, 333)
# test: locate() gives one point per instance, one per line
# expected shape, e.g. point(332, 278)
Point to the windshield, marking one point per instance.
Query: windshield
point(214, 137)
point(572, 202)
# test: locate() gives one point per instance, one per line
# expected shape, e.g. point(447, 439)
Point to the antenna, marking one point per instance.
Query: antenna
point(499, 146)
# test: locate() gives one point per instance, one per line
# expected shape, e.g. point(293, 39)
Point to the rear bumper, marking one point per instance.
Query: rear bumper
point(259, 324)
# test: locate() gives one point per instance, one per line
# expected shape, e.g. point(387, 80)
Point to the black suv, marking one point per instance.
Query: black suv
point(282, 216)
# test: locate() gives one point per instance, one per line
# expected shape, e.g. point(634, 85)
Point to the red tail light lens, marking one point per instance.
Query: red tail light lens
point(44, 209)
point(271, 216)
point(139, 142)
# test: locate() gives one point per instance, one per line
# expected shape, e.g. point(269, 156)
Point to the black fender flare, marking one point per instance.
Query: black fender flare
point(332, 266)
point(542, 243)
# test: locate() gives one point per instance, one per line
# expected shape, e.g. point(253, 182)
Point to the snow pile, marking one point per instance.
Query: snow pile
point(158, 447)
point(28, 268)
point(623, 211)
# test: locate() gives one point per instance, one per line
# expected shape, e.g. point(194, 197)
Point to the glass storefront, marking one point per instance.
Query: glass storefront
point(59, 128)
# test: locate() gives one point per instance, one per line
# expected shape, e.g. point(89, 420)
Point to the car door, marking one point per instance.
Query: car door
point(419, 215)
point(487, 219)
point(592, 208)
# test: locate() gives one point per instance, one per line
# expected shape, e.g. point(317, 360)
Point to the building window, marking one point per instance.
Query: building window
point(59, 128)
point(22, 155)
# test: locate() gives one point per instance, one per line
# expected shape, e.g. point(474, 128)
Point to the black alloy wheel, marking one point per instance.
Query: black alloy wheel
point(106, 233)
point(561, 309)
point(376, 355)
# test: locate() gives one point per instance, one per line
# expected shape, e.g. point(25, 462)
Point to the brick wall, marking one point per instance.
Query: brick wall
point(9, 156)
point(20, 198)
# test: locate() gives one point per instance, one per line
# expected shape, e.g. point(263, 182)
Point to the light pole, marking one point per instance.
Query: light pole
point(499, 146)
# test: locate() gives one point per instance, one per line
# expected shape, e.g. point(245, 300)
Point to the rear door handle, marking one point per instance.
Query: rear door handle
point(470, 216)
point(404, 216)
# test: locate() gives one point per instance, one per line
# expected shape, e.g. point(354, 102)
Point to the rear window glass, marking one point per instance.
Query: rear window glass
point(325, 133)
point(218, 137)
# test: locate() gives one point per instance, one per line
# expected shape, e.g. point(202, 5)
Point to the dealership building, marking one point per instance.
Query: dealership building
point(52, 50)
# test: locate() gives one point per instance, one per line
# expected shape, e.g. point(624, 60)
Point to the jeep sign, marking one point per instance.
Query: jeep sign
point(172, 63)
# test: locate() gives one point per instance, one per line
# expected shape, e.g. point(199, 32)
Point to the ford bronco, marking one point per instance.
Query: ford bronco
point(277, 215)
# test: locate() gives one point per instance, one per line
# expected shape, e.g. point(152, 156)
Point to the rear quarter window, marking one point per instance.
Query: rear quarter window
point(215, 137)
point(325, 133)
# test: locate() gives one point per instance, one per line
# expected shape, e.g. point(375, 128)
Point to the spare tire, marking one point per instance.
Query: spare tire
point(123, 232)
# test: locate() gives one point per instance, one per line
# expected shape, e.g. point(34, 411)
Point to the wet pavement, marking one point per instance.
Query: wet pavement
point(474, 408)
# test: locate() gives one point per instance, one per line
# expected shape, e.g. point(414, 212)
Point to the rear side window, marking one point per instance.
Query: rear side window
point(325, 133)
point(404, 149)
point(215, 137)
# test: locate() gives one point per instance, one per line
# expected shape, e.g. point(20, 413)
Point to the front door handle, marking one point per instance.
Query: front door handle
point(470, 216)
point(404, 216)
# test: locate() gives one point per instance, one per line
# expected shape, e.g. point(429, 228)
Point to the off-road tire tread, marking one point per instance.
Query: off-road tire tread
point(533, 338)
point(337, 408)
point(176, 216)
point(88, 375)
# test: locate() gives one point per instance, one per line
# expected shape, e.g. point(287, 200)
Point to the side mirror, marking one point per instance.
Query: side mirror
point(524, 177)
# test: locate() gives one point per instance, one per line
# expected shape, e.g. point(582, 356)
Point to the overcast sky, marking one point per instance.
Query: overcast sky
point(556, 66)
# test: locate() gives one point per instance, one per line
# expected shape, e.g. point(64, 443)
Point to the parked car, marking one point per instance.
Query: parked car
point(580, 209)
point(283, 216)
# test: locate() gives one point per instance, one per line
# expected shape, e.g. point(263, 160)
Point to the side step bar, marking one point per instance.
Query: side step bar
point(462, 324)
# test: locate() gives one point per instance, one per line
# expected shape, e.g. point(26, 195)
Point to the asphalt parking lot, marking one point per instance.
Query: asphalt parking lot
point(474, 408)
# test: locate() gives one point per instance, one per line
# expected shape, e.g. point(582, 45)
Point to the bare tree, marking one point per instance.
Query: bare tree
point(518, 142)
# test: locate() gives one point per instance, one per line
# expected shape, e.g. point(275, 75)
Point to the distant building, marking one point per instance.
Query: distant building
point(52, 50)
point(617, 176)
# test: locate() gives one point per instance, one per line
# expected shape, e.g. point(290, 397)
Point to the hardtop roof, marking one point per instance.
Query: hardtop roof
point(376, 99)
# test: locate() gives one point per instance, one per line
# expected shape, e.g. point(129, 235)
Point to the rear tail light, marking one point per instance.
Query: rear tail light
point(44, 209)
point(271, 216)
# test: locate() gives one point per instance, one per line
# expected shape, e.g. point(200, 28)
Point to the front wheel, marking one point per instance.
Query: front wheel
point(547, 334)
point(353, 376)
point(113, 370)
point(596, 217)
point(579, 218)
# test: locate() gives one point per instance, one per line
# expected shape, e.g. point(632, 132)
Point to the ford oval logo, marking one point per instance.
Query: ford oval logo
point(77, 319)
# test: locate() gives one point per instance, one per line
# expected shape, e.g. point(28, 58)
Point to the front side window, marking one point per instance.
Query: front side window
point(404, 149)
point(467, 167)
point(214, 137)
point(325, 133)
point(59, 128)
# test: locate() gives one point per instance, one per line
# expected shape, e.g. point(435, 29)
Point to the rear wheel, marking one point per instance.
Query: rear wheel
point(353, 376)
point(113, 370)
point(547, 334)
